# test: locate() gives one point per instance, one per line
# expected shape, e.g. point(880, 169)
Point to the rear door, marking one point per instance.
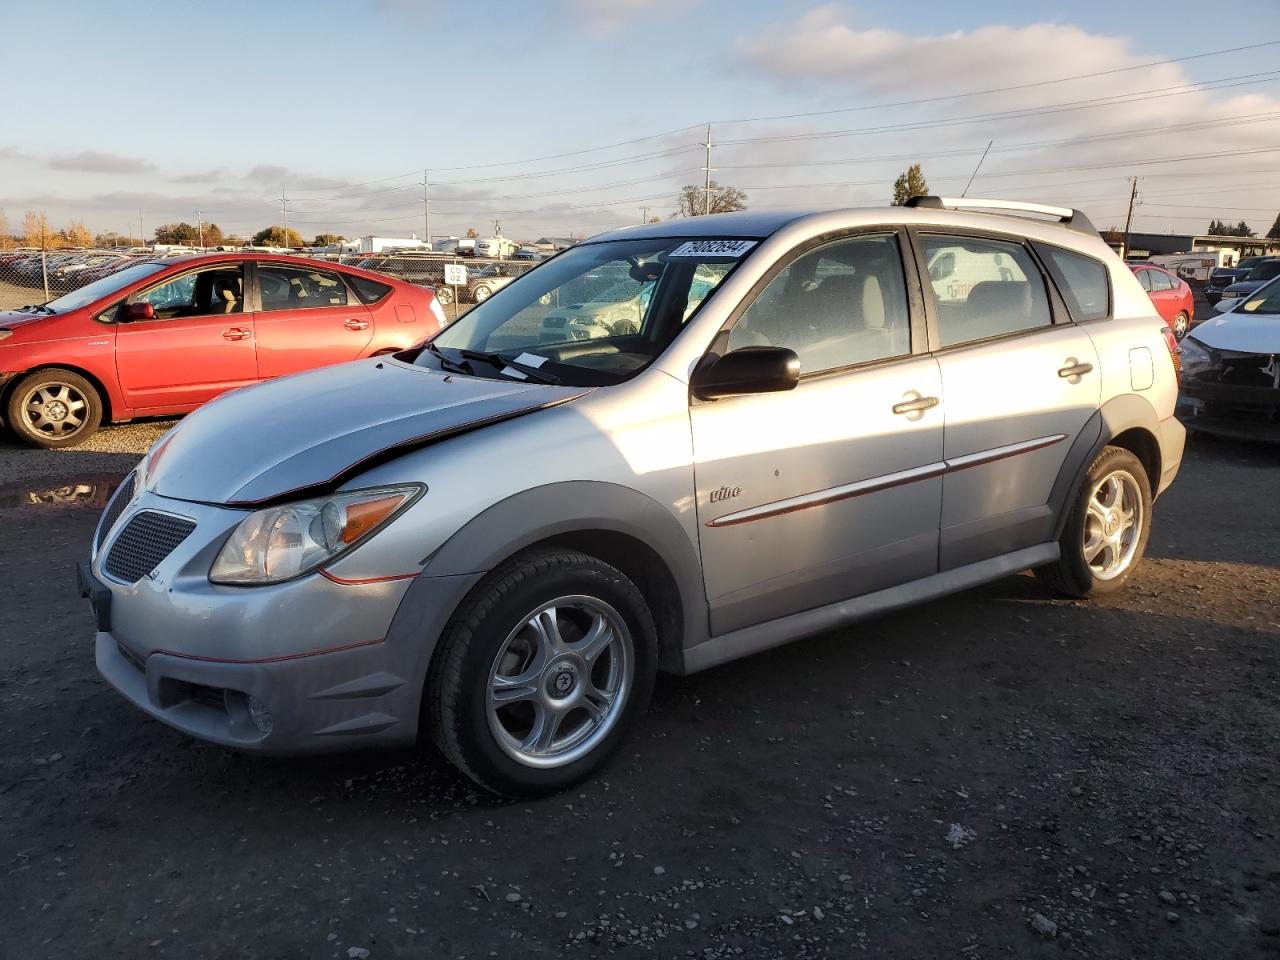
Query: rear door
point(307, 317)
point(1020, 382)
point(199, 345)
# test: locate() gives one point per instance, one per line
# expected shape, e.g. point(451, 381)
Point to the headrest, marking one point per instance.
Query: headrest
point(872, 303)
point(1004, 297)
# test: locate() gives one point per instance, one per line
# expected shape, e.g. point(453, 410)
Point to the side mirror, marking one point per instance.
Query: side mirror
point(139, 311)
point(1224, 306)
point(748, 370)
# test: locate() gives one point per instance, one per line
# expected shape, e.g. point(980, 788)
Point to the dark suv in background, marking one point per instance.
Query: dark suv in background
point(1222, 277)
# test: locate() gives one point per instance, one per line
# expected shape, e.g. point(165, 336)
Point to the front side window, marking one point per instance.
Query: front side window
point(844, 303)
point(597, 314)
point(297, 288)
point(201, 293)
point(983, 288)
point(1082, 280)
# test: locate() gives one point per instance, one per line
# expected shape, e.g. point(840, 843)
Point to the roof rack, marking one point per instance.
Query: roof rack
point(1074, 219)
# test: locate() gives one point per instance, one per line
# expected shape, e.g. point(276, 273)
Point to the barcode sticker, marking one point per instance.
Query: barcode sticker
point(712, 248)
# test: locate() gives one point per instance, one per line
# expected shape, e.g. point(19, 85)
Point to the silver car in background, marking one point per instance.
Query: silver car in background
point(497, 541)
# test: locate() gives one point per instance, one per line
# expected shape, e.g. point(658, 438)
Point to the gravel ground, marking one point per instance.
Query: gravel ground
point(996, 774)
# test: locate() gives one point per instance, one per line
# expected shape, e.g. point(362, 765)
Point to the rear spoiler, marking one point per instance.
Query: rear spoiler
point(1072, 219)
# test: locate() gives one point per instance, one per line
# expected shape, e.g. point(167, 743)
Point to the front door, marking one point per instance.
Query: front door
point(199, 345)
point(1021, 382)
point(307, 317)
point(830, 490)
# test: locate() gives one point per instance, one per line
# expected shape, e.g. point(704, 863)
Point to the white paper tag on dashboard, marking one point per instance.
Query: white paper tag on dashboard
point(711, 248)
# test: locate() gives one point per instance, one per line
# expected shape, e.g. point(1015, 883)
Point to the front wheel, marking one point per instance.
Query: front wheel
point(1106, 532)
point(444, 295)
point(481, 294)
point(54, 408)
point(1181, 323)
point(541, 672)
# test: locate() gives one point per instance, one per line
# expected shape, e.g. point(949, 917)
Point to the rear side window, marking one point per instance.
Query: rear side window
point(370, 291)
point(1082, 280)
point(983, 288)
point(1162, 281)
point(294, 288)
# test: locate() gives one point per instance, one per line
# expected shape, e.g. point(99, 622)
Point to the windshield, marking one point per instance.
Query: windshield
point(597, 314)
point(1265, 271)
point(1264, 300)
point(104, 287)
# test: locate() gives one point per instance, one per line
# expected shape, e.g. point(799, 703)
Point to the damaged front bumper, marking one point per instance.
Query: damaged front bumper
point(1233, 395)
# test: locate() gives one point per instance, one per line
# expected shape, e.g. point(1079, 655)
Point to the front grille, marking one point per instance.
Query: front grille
point(115, 506)
point(146, 540)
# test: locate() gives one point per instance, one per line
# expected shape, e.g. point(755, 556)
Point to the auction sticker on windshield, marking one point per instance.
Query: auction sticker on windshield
point(712, 248)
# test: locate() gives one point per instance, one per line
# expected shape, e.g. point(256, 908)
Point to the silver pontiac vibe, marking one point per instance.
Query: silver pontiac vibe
point(499, 539)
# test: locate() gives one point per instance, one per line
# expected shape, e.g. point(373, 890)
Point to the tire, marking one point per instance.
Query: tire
point(481, 294)
point(54, 408)
point(1078, 574)
point(502, 627)
point(444, 295)
point(1181, 324)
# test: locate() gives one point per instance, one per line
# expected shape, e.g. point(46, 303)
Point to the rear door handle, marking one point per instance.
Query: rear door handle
point(1075, 370)
point(237, 333)
point(917, 405)
point(357, 324)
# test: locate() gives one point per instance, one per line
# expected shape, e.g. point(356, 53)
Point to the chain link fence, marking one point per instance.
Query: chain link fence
point(30, 276)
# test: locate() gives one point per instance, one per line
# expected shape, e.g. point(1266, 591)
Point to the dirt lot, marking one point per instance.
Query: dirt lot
point(998, 774)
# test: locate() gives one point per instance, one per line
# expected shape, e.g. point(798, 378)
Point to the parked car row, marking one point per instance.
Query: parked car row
point(1172, 296)
point(1248, 270)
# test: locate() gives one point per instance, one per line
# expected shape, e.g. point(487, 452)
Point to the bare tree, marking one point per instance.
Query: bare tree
point(695, 200)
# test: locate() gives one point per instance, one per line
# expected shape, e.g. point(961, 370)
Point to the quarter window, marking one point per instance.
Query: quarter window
point(1083, 281)
point(1144, 278)
point(842, 304)
point(983, 288)
point(294, 288)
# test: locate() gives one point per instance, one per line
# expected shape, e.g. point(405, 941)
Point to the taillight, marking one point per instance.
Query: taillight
point(1175, 352)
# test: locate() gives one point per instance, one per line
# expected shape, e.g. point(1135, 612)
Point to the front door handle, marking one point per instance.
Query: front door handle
point(357, 324)
point(1074, 370)
point(237, 333)
point(915, 405)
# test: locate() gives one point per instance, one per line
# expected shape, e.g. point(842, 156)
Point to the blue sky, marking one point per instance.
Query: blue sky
point(220, 106)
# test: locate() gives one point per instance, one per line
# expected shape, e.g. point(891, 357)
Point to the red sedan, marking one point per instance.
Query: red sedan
point(1171, 295)
point(159, 338)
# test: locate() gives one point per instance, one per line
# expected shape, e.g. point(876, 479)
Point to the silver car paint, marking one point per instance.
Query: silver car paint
point(638, 460)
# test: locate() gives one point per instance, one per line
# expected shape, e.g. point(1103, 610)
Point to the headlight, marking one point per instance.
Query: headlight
point(280, 543)
point(1195, 357)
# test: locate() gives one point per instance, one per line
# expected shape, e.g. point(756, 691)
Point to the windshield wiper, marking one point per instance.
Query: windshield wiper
point(499, 361)
point(448, 363)
point(38, 308)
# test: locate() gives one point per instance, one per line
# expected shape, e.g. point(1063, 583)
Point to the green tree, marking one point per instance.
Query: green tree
point(1220, 228)
point(324, 239)
point(275, 237)
point(696, 200)
point(179, 234)
point(1272, 234)
point(910, 183)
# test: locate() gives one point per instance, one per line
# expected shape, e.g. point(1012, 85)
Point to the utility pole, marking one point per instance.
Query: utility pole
point(1128, 220)
point(284, 211)
point(426, 210)
point(200, 226)
point(644, 214)
point(142, 234)
point(706, 190)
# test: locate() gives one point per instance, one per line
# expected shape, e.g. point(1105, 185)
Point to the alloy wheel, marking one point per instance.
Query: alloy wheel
point(54, 410)
point(1180, 326)
point(1113, 525)
point(560, 681)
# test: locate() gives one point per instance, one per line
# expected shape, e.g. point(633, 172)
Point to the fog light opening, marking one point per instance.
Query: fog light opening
point(259, 714)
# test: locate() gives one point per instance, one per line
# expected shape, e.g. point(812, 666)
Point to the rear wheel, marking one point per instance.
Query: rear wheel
point(481, 294)
point(1106, 532)
point(54, 408)
point(1181, 323)
point(444, 295)
point(541, 672)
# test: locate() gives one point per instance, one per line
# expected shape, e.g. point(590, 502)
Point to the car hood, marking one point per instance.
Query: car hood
point(1244, 286)
point(1241, 332)
point(308, 432)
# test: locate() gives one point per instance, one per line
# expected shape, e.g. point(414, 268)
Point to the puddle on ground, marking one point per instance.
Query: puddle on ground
point(91, 493)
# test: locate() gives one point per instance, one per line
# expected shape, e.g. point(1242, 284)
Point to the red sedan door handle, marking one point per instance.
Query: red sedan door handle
point(357, 324)
point(237, 333)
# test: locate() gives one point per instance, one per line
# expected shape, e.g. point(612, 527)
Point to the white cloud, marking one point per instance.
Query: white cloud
point(94, 161)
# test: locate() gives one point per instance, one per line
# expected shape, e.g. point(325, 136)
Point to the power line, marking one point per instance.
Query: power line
point(1016, 86)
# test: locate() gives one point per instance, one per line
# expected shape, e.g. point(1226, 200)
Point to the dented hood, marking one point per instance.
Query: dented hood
point(307, 432)
point(1241, 332)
